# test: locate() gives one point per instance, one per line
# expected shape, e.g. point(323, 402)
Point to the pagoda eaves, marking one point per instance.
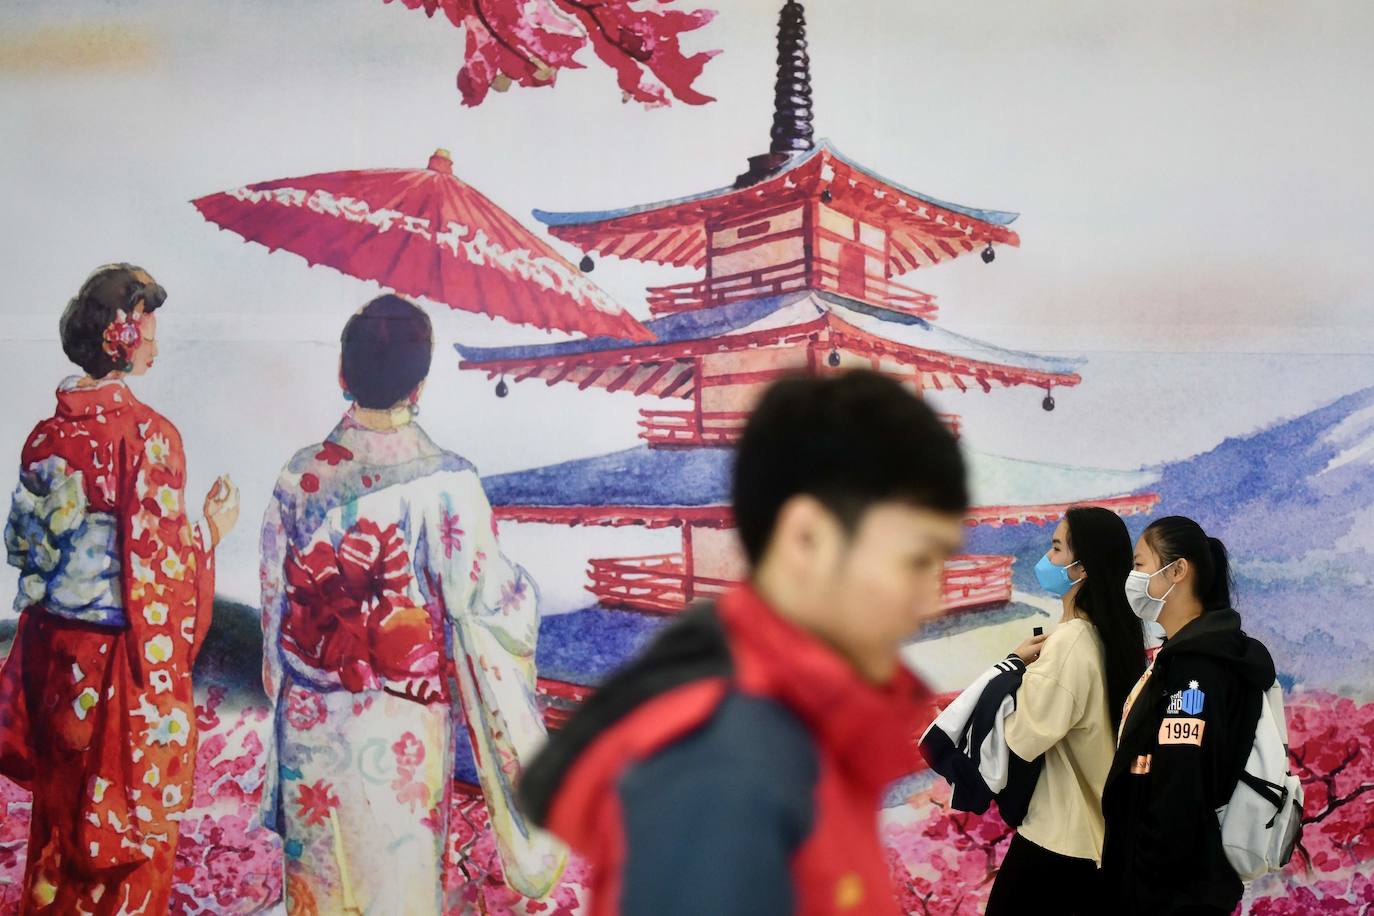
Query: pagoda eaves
point(811, 323)
point(922, 230)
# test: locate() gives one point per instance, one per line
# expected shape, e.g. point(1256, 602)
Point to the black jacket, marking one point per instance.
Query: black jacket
point(1185, 740)
point(967, 745)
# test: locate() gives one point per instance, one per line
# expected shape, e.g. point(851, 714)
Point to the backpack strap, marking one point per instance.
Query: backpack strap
point(1250, 707)
point(1276, 795)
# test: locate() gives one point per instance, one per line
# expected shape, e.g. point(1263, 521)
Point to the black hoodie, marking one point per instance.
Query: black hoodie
point(1183, 744)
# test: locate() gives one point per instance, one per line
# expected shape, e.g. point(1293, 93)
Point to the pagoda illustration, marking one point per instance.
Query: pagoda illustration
point(800, 257)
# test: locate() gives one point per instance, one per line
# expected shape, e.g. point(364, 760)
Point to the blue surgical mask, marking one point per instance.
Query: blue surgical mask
point(1054, 579)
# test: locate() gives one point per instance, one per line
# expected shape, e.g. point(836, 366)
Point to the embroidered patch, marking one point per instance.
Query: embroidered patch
point(1181, 731)
point(1175, 704)
point(1192, 699)
point(1142, 763)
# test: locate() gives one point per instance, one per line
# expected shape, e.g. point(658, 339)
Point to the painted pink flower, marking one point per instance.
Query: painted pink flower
point(411, 792)
point(122, 336)
point(434, 821)
point(513, 594)
point(348, 609)
point(304, 709)
point(315, 802)
point(408, 750)
point(333, 454)
point(451, 534)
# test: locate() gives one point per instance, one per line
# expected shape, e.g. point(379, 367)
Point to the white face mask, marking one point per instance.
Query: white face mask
point(1146, 607)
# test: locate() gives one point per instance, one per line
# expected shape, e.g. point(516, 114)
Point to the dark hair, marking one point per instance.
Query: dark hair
point(387, 348)
point(105, 292)
point(1175, 537)
point(850, 441)
point(1099, 540)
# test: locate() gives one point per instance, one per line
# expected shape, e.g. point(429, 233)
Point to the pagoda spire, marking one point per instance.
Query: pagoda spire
point(792, 132)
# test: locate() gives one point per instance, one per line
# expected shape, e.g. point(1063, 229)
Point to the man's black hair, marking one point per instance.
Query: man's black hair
point(850, 441)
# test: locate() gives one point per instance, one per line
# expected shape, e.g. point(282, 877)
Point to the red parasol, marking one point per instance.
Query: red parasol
point(422, 232)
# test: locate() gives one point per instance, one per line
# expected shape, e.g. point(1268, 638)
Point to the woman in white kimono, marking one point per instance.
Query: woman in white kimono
point(390, 617)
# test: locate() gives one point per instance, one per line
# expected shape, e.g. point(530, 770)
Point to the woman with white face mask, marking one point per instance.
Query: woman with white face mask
point(1186, 731)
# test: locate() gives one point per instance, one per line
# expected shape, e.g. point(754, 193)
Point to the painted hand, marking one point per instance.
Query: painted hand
point(222, 507)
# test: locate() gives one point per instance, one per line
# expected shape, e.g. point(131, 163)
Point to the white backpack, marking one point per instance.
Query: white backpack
point(1262, 822)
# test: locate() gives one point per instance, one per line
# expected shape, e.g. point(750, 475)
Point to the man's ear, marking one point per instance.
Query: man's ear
point(805, 534)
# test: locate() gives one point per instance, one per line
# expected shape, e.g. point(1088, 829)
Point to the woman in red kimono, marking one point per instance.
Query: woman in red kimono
point(96, 712)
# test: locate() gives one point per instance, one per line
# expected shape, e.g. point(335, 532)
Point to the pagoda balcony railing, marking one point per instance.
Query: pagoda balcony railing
point(559, 699)
point(975, 581)
point(879, 291)
point(685, 429)
point(661, 584)
point(785, 278)
point(756, 284)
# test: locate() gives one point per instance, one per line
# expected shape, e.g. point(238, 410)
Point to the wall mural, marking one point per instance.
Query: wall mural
point(329, 704)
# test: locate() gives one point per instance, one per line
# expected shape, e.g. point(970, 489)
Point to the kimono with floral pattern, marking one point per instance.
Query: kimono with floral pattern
point(115, 595)
point(391, 618)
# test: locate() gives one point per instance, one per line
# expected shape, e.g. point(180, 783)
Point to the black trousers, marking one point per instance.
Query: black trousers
point(1034, 880)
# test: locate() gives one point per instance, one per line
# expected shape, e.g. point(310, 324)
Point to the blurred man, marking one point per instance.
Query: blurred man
point(738, 766)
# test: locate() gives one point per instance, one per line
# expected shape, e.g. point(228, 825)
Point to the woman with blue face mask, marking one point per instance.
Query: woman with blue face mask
point(1187, 729)
point(1067, 709)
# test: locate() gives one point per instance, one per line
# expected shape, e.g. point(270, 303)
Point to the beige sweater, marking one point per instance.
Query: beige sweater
point(1061, 712)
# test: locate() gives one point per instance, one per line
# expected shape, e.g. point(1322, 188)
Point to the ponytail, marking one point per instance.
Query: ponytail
point(1175, 537)
point(1218, 596)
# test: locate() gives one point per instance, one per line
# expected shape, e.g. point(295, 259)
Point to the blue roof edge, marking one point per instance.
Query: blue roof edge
point(555, 218)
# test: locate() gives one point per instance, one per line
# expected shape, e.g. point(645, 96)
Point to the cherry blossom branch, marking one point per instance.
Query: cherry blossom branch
point(1333, 805)
point(495, 35)
point(640, 45)
point(639, 54)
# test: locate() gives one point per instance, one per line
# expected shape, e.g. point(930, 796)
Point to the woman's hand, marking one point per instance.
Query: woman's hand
point(222, 508)
point(1029, 650)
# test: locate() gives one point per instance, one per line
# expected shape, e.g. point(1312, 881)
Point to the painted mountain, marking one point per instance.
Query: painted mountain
point(1295, 506)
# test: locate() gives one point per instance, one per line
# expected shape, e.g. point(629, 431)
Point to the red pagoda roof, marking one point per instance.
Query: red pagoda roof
point(666, 367)
point(923, 230)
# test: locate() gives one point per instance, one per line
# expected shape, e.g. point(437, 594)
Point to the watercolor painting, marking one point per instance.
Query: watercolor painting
point(1124, 261)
